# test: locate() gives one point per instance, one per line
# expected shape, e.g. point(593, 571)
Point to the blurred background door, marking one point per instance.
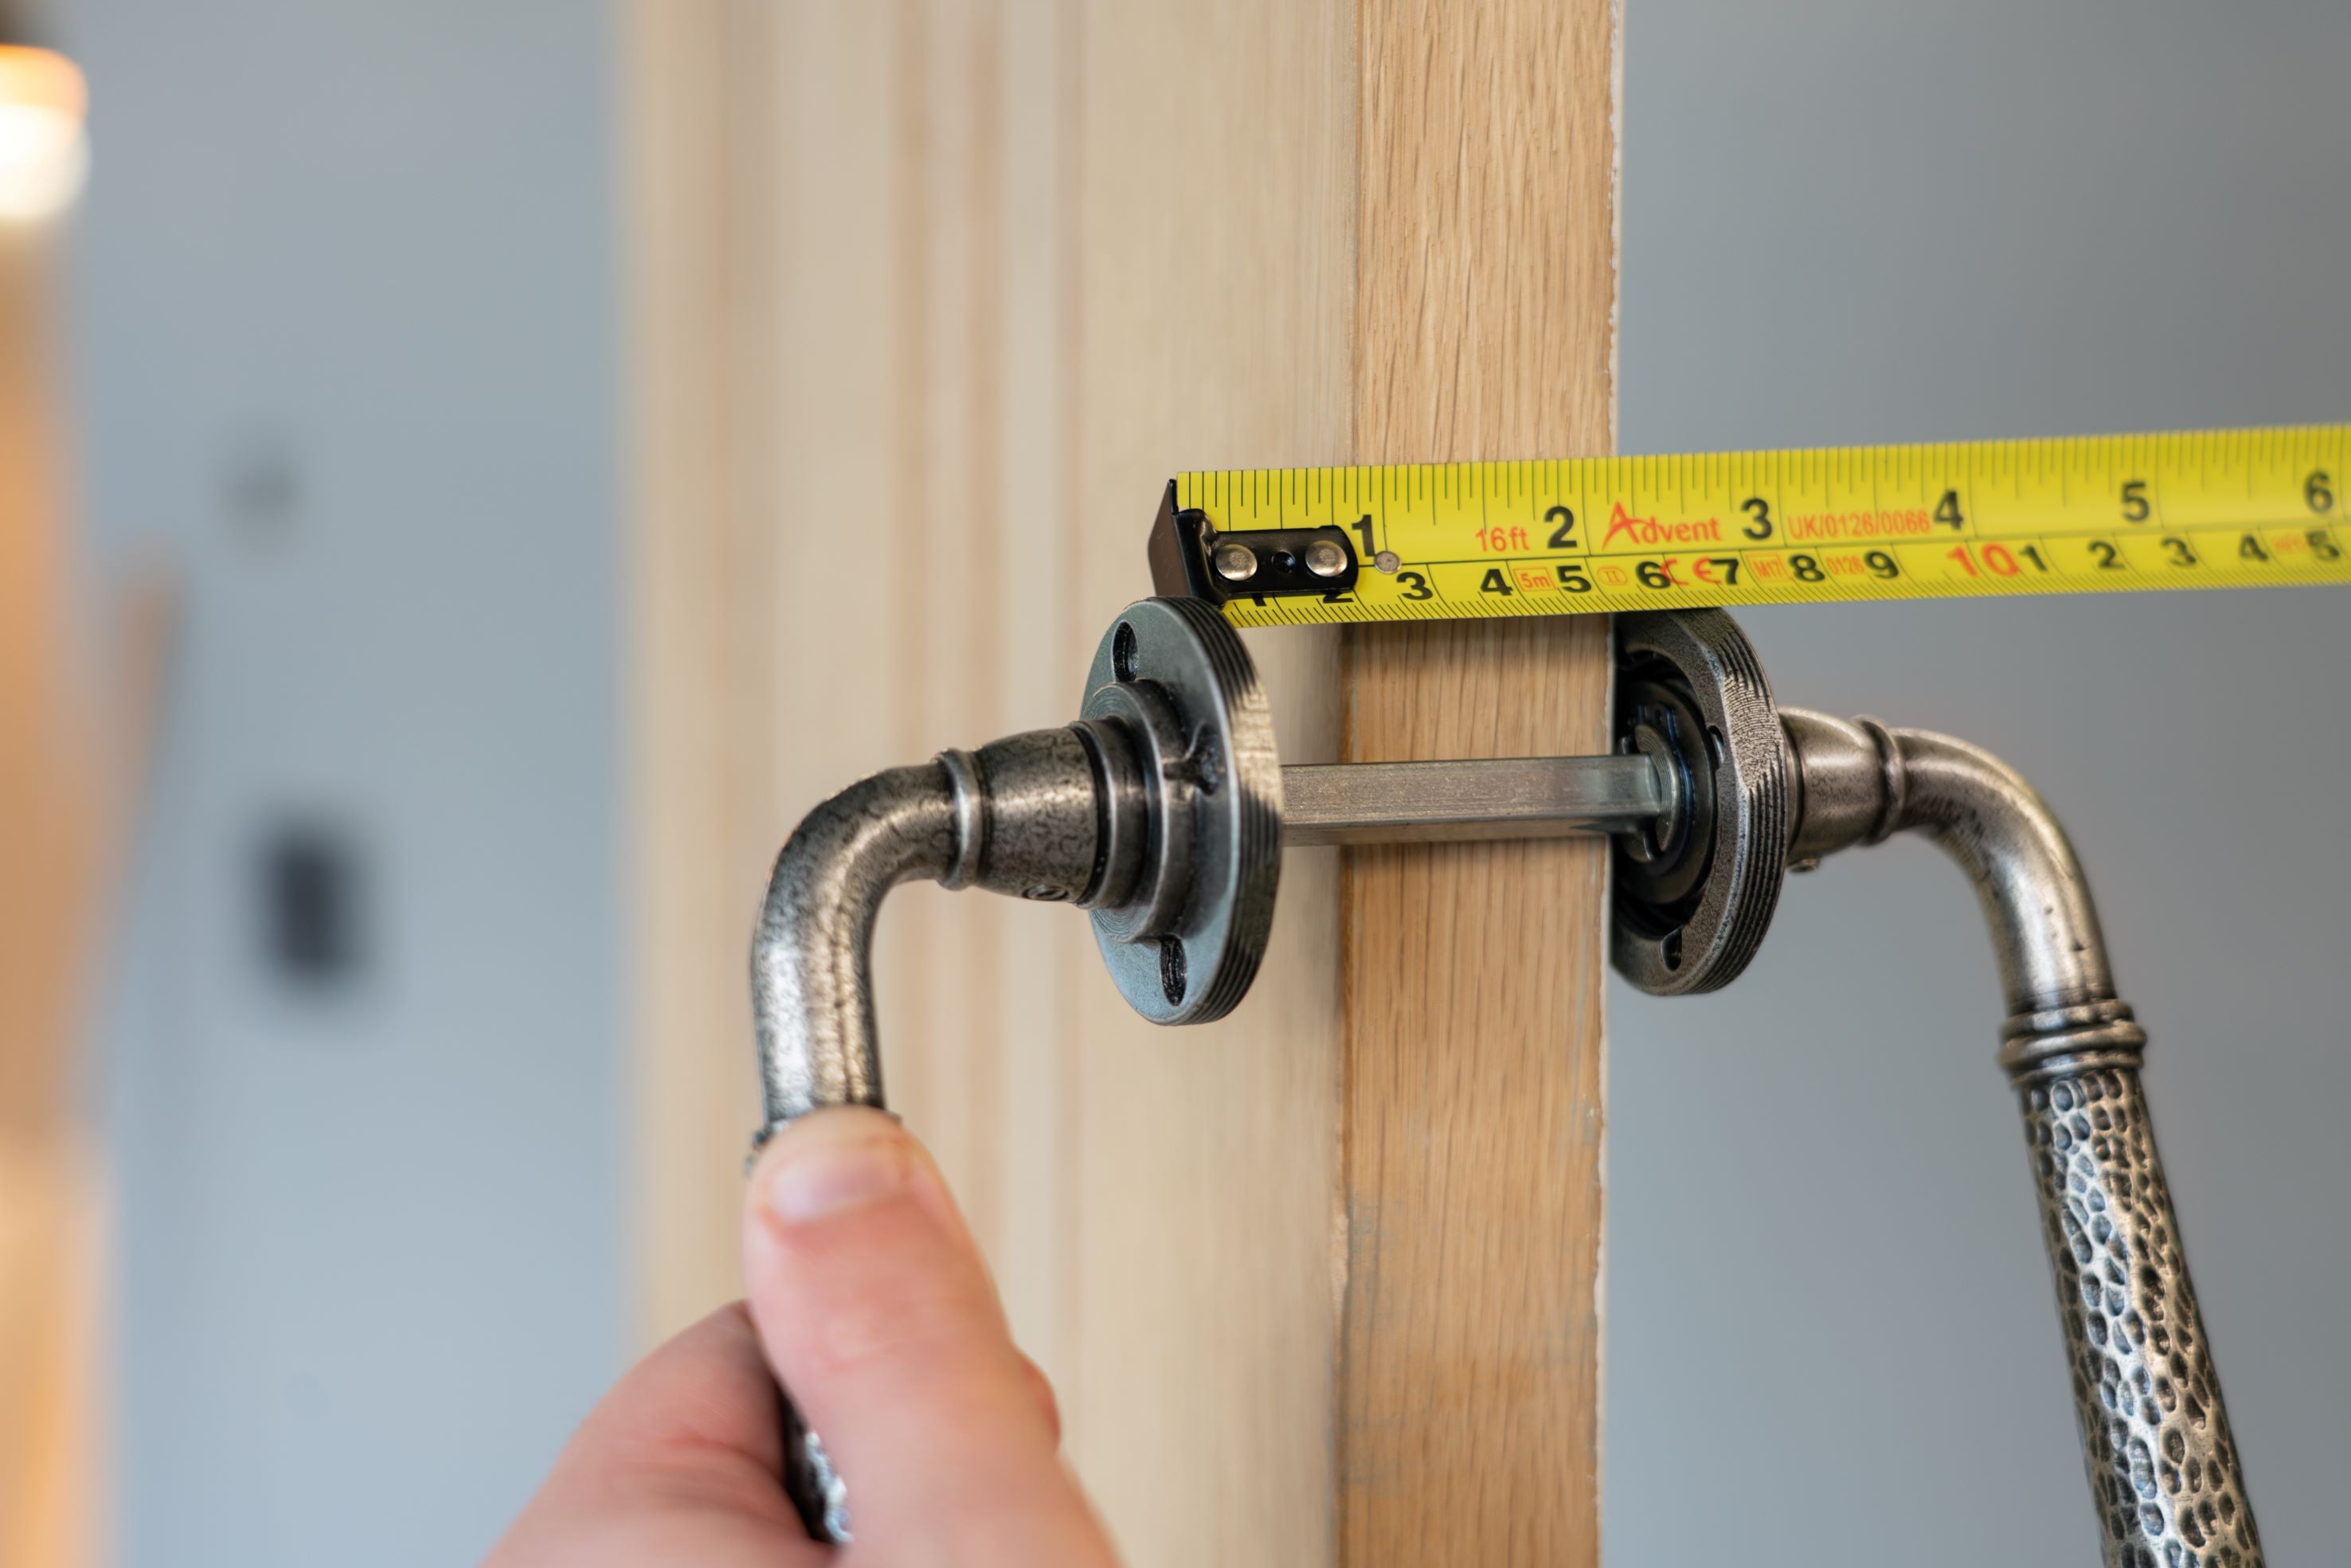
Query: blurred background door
point(54, 832)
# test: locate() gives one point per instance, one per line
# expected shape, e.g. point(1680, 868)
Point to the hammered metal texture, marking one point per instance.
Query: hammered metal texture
point(2162, 1463)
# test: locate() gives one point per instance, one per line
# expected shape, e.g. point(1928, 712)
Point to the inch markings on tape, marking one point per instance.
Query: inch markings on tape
point(2239, 509)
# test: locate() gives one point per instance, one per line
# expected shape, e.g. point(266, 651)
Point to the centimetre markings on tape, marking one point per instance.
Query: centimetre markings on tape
point(2075, 514)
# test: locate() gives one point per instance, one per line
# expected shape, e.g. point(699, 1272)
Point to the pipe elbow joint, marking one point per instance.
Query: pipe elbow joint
point(812, 966)
point(1860, 782)
point(1020, 815)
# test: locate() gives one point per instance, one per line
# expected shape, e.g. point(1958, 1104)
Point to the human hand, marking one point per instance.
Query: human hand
point(869, 1301)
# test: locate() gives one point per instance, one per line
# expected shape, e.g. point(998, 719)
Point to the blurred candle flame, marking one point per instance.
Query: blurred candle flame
point(43, 150)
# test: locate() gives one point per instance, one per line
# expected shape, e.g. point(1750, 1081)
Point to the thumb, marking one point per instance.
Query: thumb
point(877, 1314)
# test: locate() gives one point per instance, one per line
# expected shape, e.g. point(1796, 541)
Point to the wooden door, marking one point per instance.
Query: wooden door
point(932, 298)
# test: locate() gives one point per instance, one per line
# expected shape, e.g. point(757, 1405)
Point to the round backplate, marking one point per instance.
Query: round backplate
point(1173, 676)
point(1689, 917)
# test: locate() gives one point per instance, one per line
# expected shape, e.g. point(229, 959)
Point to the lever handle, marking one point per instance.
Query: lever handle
point(1020, 815)
point(812, 998)
point(1161, 810)
point(2162, 1463)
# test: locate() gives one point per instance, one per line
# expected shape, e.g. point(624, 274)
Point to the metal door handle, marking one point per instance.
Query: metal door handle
point(1163, 809)
point(2162, 1463)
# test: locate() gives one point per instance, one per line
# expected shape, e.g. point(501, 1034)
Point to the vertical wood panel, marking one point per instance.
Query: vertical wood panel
point(944, 293)
point(1485, 316)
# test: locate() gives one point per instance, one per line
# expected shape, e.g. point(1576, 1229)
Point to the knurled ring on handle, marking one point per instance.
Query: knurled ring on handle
point(1184, 943)
point(1690, 912)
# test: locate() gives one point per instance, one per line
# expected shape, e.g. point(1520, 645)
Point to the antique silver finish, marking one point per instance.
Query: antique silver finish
point(1172, 681)
point(812, 975)
point(1506, 798)
point(1163, 808)
point(1861, 782)
point(1159, 810)
point(2162, 1462)
point(1017, 817)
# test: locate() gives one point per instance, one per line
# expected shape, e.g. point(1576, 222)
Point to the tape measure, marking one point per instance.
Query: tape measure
point(1288, 546)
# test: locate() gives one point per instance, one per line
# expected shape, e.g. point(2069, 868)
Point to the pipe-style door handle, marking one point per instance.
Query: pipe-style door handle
point(1163, 810)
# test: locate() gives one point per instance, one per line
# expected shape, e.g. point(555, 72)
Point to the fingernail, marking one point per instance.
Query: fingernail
point(829, 1169)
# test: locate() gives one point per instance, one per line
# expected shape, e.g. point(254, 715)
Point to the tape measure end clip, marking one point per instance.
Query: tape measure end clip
point(1190, 559)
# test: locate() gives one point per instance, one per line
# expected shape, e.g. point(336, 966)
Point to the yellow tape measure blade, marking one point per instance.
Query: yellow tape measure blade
point(2236, 508)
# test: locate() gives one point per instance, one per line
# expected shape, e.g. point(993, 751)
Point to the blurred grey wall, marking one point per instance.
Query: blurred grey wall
point(345, 326)
point(1832, 1336)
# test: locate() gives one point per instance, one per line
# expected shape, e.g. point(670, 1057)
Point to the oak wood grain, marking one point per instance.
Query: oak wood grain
point(1472, 1093)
